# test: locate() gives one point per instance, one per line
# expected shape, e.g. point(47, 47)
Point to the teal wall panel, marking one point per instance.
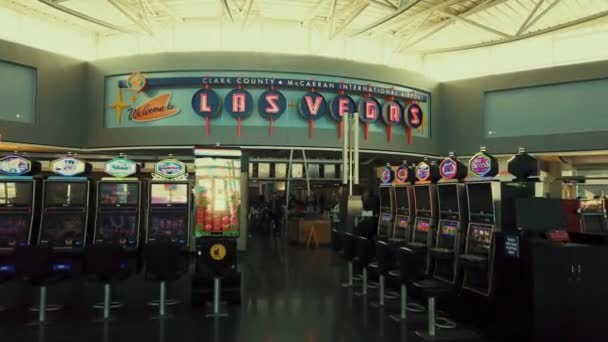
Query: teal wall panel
point(566, 108)
point(17, 93)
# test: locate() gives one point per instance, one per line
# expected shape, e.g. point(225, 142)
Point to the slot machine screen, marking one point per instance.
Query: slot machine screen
point(423, 197)
point(423, 226)
point(14, 230)
point(594, 224)
point(168, 227)
point(62, 230)
point(402, 222)
point(448, 198)
point(402, 201)
point(481, 238)
point(169, 193)
point(16, 193)
point(480, 198)
point(386, 202)
point(112, 194)
point(117, 228)
point(65, 193)
point(448, 228)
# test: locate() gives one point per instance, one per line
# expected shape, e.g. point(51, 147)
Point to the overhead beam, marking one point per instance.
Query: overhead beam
point(384, 4)
point(529, 17)
point(318, 7)
point(542, 14)
point(482, 7)
point(572, 23)
point(227, 10)
point(390, 17)
point(85, 17)
point(167, 10)
point(247, 9)
point(476, 24)
point(133, 17)
point(352, 16)
point(331, 17)
point(420, 24)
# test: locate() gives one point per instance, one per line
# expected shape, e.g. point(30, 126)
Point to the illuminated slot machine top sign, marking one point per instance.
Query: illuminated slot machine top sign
point(483, 164)
point(68, 166)
point(14, 165)
point(120, 167)
point(170, 169)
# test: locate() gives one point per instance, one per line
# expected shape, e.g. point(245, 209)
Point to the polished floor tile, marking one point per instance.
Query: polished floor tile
point(289, 294)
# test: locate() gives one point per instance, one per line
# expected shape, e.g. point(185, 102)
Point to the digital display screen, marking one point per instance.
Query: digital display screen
point(482, 234)
point(111, 193)
point(169, 193)
point(62, 230)
point(402, 222)
point(386, 201)
point(423, 225)
point(14, 230)
point(423, 197)
point(168, 227)
point(448, 198)
point(65, 193)
point(480, 198)
point(448, 228)
point(117, 228)
point(527, 214)
point(402, 202)
point(16, 193)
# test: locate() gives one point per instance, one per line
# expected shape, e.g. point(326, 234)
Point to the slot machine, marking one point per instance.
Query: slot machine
point(425, 197)
point(386, 217)
point(117, 219)
point(404, 208)
point(491, 209)
point(449, 239)
point(217, 201)
point(592, 216)
point(18, 198)
point(169, 204)
point(65, 212)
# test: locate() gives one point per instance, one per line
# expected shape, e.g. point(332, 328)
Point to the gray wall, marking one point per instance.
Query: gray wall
point(99, 136)
point(462, 112)
point(60, 98)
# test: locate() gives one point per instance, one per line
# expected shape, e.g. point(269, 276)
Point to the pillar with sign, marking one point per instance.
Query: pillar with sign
point(217, 202)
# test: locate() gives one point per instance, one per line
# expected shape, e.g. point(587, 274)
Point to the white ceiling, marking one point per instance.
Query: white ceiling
point(396, 31)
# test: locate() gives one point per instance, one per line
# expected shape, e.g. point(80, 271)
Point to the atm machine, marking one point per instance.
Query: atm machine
point(386, 191)
point(169, 204)
point(65, 212)
point(491, 209)
point(404, 208)
point(18, 198)
point(118, 205)
point(449, 239)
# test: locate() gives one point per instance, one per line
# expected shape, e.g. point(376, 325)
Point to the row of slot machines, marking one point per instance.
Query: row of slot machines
point(67, 209)
point(453, 213)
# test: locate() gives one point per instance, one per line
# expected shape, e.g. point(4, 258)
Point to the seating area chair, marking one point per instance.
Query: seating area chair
point(385, 262)
point(348, 246)
point(434, 289)
point(163, 264)
point(365, 251)
point(104, 263)
point(34, 264)
point(411, 269)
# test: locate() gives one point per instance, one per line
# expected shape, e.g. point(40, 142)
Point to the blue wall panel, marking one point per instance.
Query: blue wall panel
point(575, 107)
point(17, 93)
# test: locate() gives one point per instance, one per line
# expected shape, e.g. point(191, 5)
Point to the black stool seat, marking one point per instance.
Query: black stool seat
point(373, 265)
point(394, 273)
point(433, 287)
point(397, 241)
point(415, 247)
point(442, 253)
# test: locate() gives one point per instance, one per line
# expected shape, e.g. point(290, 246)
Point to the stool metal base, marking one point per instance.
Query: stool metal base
point(444, 323)
point(113, 305)
point(50, 307)
point(168, 302)
point(218, 311)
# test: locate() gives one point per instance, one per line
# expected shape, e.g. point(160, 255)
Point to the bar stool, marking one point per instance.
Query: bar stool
point(385, 262)
point(34, 264)
point(348, 246)
point(434, 289)
point(411, 268)
point(163, 264)
point(104, 263)
point(336, 240)
point(364, 248)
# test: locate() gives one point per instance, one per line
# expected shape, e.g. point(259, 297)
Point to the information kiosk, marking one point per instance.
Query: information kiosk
point(169, 204)
point(65, 212)
point(452, 220)
point(118, 205)
point(491, 208)
point(425, 196)
point(217, 194)
point(386, 191)
point(404, 210)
